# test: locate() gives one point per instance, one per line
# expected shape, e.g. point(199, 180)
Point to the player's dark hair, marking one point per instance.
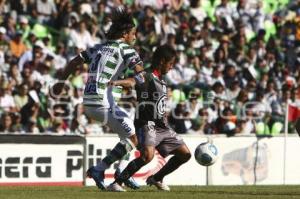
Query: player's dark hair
point(122, 23)
point(164, 52)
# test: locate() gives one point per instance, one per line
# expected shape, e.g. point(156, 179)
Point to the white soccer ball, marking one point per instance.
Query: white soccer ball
point(206, 154)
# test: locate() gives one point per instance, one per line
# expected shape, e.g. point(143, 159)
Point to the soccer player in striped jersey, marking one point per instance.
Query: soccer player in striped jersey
point(107, 62)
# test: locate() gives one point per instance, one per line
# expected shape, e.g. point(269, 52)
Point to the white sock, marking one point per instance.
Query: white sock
point(123, 164)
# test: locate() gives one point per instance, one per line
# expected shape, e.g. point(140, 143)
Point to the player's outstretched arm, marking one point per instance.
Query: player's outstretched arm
point(69, 69)
point(128, 83)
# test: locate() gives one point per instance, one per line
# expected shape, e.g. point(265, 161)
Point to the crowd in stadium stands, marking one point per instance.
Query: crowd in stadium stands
point(238, 62)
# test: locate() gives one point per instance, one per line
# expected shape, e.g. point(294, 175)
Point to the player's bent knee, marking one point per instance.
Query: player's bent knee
point(187, 156)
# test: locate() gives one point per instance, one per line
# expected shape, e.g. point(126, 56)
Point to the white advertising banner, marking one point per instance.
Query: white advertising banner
point(190, 173)
point(242, 161)
point(249, 160)
point(49, 164)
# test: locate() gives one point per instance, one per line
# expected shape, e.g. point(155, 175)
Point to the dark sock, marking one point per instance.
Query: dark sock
point(131, 168)
point(171, 166)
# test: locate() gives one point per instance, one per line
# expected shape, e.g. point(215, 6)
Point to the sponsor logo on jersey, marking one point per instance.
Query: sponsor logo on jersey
point(161, 105)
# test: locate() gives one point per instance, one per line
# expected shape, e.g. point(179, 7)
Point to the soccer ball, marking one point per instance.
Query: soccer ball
point(206, 154)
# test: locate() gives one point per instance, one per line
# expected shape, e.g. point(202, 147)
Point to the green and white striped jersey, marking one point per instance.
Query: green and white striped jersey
point(107, 62)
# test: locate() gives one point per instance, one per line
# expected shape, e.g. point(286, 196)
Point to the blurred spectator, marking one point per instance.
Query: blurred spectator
point(224, 13)
point(17, 125)
point(251, 88)
point(233, 91)
point(24, 27)
point(244, 127)
point(58, 126)
point(220, 59)
point(17, 47)
point(218, 91)
point(7, 102)
point(27, 75)
point(29, 112)
point(77, 97)
point(48, 48)
point(30, 40)
point(6, 125)
point(240, 102)
point(271, 93)
point(80, 37)
point(261, 108)
point(194, 104)
point(60, 57)
point(76, 128)
point(10, 26)
point(4, 44)
point(200, 124)
point(36, 54)
point(78, 114)
point(230, 75)
point(226, 123)
point(259, 17)
point(45, 11)
point(85, 8)
point(175, 76)
point(93, 127)
point(179, 119)
point(242, 55)
point(171, 39)
point(216, 76)
point(207, 69)
point(32, 127)
point(14, 75)
point(80, 121)
point(95, 34)
point(22, 97)
point(243, 13)
point(197, 11)
point(144, 3)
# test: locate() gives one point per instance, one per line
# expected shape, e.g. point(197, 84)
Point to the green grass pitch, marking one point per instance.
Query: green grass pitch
point(177, 192)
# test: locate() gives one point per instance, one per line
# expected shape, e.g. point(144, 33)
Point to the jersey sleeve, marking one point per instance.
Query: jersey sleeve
point(131, 58)
point(87, 55)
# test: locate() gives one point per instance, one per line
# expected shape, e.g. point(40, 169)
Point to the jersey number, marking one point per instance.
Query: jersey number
point(94, 65)
point(90, 89)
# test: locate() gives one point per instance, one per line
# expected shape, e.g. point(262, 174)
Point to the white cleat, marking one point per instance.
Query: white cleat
point(115, 187)
point(159, 185)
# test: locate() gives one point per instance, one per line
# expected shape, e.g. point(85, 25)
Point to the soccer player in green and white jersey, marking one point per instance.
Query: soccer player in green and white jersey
point(107, 62)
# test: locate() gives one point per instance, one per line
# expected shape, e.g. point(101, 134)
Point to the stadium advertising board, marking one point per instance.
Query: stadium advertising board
point(249, 160)
point(190, 173)
point(241, 161)
point(48, 164)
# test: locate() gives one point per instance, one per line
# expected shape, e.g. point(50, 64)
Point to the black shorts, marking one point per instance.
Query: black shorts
point(165, 140)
